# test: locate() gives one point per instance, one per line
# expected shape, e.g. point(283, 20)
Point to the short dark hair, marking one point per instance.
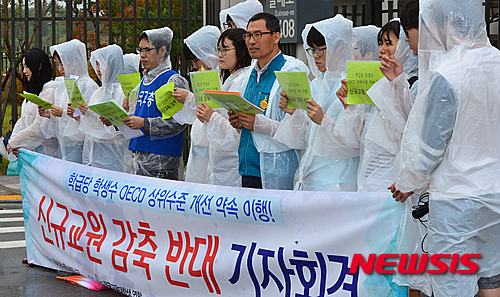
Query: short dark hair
point(41, 70)
point(314, 37)
point(143, 36)
point(272, 22)
point(188, 54)
point(409, 14)
point(243, 58)
point(392, 26)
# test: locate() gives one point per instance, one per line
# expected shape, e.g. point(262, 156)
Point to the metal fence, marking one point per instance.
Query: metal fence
point(41, 23)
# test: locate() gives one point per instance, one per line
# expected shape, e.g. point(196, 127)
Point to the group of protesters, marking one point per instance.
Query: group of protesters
point(429, 133)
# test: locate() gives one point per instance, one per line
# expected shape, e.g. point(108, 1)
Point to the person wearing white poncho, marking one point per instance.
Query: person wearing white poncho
point(158, 153)
point(372, 130)
point(104, 146)
point(238, 15)
point(298, 131)
point(451, 144)
point(73, 55)
point(223, 138)
point(28, 133)
point(202, 45)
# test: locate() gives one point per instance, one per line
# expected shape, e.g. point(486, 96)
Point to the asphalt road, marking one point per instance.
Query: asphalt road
point(18, 279)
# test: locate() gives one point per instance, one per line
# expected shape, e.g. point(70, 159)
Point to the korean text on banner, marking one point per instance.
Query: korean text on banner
point(74, 93)
point(233, 101)
point(296, 87)
point(129, 82)
point(144, 236)
point(166, 103)
point(361, 76)
point(205, 80)
point(36, 100)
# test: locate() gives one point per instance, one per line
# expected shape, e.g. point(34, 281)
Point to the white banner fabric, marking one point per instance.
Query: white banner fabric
point(152, 237)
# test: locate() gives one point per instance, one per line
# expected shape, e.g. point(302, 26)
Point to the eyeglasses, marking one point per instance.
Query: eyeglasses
point(144, 50)
point(223, 50)
point(228, 25)
point(257, 35)
point(318, 51)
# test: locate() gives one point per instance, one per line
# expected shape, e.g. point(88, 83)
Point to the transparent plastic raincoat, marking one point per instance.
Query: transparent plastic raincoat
point(155, 128)
point(131, 63)
point(298, 131)
point(241, 13)
point(30, 130)
point(105, 147)
point(451, 144)
point(203, 44)
point(278, 162)
point(371, 130)
point(73, 56)
point(224, 139)
point(365, 43)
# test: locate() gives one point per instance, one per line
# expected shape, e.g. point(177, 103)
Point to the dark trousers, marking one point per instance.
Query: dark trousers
point(251, 182)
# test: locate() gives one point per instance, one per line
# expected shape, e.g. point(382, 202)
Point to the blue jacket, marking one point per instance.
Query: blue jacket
point(257, 93)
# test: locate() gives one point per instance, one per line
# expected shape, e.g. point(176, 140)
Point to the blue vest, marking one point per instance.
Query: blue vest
point(249, 163)
point(146, 108)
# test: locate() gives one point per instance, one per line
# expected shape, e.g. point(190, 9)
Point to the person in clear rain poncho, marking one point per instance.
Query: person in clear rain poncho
point(238, 15)
point(199, 47)
point(451, 144)
point(329, 42)
point(157, 153)
point(71, 59)
point(29, 131)
point(105, 147)
point(374, 131)
point(222, 137)
point(365, 43)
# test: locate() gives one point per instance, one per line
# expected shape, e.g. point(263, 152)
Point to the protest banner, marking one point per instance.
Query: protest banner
point(233, 101)
point(129, 82)
point(296, 87)
point(205, 80)
point(361, 76)
point(144, 236)
point(166, 103)
point(36, 100)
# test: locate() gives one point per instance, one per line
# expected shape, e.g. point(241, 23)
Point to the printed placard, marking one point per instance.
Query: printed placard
point(166, 103)
point(37, 100)
point(296, 87)
point(361, 76)
point(205, 80)
point(129, 82)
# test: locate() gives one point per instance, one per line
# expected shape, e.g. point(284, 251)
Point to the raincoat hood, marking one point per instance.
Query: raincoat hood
point(365, 40)
point(159, 38)
point(241, 13)
point(131, 63)
point(73, 55)
point(445, 25)
point(110, 59)
point(203, 44)
point(337, 32)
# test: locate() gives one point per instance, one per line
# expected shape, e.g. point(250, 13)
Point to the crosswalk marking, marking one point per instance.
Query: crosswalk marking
point(10, 211)
point(11, 229)
point(7, 220)
point(12, 244)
